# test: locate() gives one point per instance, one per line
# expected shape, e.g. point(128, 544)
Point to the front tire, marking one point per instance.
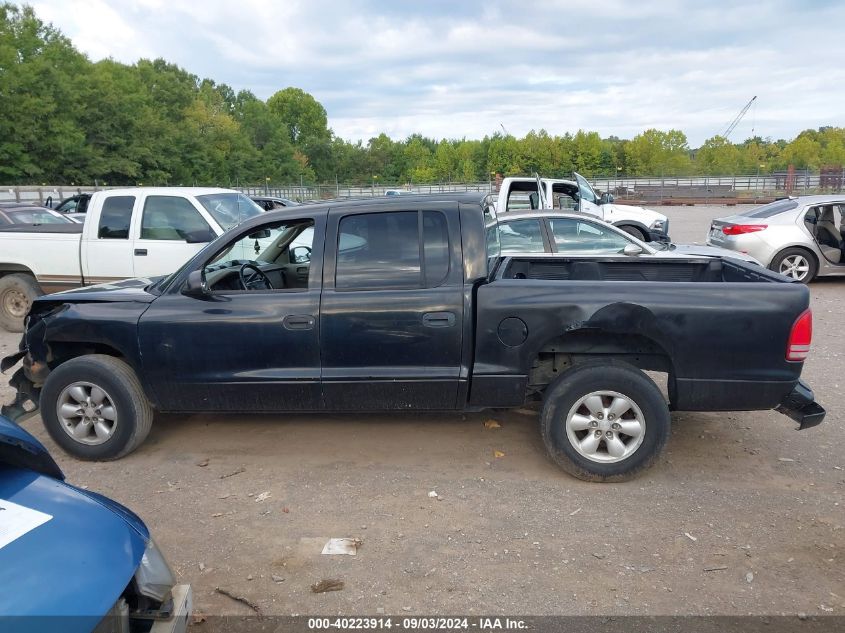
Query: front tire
point(795, 263)
point(94, 408)
point(17, 292)
point(604, 421)
point(633, 231)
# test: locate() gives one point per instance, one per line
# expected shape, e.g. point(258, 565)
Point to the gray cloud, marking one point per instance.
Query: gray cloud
point(450, 69)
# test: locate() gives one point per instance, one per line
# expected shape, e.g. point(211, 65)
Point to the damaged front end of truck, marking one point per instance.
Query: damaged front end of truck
point(36, 355)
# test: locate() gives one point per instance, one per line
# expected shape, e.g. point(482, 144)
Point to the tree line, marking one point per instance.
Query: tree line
point(67, 120)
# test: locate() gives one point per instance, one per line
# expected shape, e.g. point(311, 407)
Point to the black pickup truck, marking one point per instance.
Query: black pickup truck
point(406, 303)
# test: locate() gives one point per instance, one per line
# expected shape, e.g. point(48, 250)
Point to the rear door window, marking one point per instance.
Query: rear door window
point(115, 218)
point(520, 236)
point(384, 250)
point(378, 250)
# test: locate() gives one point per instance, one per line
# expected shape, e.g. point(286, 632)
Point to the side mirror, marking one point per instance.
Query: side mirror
point(262, 234)
point(606, 198)
point(301, 255)
point(196, 286)
point(200, 237)
point(632, 250)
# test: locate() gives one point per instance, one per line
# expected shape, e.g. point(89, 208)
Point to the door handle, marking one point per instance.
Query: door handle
point(299, 322)
point(439, 319)
point(140, 251)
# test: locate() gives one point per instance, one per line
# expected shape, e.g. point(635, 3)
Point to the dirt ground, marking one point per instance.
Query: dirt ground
point(742, 515)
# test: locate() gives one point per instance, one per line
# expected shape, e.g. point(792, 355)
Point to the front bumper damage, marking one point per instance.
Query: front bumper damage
point(27, 383)
point(801, 406)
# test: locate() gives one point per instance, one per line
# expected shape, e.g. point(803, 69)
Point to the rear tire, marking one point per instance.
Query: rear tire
point(94, 408)
point(796, 263)
point(634, 231)
point(17, 292)
point(604, 421)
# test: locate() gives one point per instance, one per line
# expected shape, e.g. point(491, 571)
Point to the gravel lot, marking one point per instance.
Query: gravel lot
point(742, 515)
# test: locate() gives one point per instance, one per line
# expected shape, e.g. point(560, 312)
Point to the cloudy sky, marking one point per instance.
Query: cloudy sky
point(462, 69)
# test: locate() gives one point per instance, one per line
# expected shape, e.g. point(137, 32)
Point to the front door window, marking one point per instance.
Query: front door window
point(276, 256)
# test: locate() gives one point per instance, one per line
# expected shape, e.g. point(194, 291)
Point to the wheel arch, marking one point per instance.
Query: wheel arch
point(589, 345)
point(798, 245)
point(11, 269)
point(803, 247)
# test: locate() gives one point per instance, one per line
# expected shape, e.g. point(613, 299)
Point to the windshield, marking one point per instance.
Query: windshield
point(229, 209)
point(773, 208)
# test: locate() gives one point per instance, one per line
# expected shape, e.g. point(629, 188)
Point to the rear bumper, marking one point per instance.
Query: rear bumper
point(801, 406)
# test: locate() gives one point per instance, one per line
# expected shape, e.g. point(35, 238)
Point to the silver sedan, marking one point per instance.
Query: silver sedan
point(798, 237)
point(582, 235)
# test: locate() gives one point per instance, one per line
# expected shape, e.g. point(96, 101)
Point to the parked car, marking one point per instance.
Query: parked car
point(535, 193)
point(269, 203)
point(138, 232)
point(31, 215)
point(797, 237)
point(396, 304)
point(583, 235)
point(72, 560)
point(75, 206)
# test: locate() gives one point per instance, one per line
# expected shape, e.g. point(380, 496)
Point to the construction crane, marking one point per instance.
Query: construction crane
point(738, 118)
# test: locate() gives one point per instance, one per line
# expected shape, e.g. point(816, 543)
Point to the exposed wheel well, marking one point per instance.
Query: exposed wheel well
point(577, 347)
point(61, 352)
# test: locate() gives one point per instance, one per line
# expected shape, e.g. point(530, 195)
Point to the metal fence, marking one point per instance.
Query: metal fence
point(742, 188)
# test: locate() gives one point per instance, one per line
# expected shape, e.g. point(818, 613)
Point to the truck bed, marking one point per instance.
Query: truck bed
point(716, 326)
point(635, 269)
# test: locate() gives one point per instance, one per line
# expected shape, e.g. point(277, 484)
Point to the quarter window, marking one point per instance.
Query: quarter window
point(115, 218)
point(173, 218)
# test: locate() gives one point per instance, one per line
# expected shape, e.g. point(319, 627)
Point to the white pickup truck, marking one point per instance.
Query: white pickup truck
point(137, 232)
point(535, 193)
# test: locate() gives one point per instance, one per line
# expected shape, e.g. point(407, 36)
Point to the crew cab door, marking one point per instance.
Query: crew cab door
point(232, 349)
point(107, 248)
point(391, 317)
point(588, 201)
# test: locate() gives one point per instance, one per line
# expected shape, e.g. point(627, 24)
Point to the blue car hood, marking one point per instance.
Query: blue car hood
point(76, 563)
point(20, 449)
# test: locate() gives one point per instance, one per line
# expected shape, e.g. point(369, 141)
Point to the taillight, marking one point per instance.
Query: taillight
point(740, 229)
point(800, 337)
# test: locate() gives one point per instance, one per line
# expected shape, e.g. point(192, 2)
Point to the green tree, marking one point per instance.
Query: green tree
point(718, 157)
point(804, 152)
point(504, 156)
point(40, 72)
point(419, 161)
point(654, 152)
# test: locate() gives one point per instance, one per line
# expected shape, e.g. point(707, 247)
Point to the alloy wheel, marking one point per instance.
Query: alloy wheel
point(87, 413)
point(605, 426)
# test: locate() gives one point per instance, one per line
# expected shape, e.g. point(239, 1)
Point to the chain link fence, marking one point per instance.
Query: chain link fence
point(656, 190)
